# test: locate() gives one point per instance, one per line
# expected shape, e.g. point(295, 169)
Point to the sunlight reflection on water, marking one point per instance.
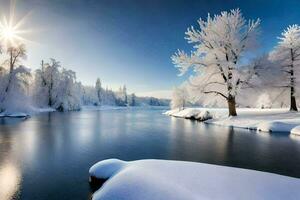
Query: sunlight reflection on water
point(10, 178)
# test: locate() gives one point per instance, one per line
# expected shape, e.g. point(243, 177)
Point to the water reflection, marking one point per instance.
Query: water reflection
point(10, 174)
point(295, 137)
point(10, 178)
point(48, 156)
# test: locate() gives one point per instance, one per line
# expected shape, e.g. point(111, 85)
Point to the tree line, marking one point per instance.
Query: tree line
point(54, 86)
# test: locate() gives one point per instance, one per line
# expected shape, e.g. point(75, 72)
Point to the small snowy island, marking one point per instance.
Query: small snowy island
point(179, 180)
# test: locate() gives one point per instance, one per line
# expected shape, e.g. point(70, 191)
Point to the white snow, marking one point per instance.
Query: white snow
point(268, 120)
point(30, 111)
point(191, 113)
point(179, 180)
point(14, 115)
point(296, 130)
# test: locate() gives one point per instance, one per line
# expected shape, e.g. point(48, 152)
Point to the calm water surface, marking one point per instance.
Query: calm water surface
point(47, 157)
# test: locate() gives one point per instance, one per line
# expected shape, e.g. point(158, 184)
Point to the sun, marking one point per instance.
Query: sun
point(12, 30)
point(8, 34)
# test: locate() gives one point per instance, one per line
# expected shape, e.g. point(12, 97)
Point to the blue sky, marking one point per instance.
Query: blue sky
point(130, 41)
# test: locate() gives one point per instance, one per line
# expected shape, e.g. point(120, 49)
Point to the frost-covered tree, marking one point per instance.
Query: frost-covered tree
point(15, 54)
point(179, 98)
point(98, 88)
point(67, 98)
point(47, 80)
point(16, 99)
point(56, 87)
point(89, 96)
point(132, 100)
point(264, 101)
point(110, 97)
point(219, 45)
point(124, 91)
point(286, 55)
point(121, 96)
point(14, 81)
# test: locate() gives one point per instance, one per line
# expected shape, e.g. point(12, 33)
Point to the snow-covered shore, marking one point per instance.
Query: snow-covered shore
point(179, 180)
point(25, 114)
point(267, 120)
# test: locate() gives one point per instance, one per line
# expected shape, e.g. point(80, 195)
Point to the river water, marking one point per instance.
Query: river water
point(47, 156)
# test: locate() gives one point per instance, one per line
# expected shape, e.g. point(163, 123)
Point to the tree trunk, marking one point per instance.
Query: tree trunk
point(11, 68)
point(50, 95)
point(293, 106)
point(231, 106)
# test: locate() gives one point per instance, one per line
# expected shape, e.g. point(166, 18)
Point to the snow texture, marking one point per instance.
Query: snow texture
point(179, 180)
point(296, 130)
point(190, 113)
point(267, 120)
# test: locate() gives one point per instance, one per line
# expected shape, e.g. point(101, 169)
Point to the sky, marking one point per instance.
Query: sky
point(131, 41)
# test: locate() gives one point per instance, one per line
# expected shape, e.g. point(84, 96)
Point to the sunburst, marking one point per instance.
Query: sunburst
point(12, 31)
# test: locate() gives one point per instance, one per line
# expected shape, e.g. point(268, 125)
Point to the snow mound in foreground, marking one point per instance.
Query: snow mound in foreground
point(106, 168)
point(178, 180)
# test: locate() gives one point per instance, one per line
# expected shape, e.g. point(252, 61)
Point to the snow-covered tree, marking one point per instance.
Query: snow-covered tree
point(17, 98)
point(286, 55)
point(264, 101)
point(98, 88)
point(179, 98)
point(132, 100)
point(110, 97)
point(219, 46)
point(14, 81)
point(15, 54)
point(125, 95)
point(67, 97)
point(121, 96)
point(56, 87)
point(47, 80)
point(89, 95)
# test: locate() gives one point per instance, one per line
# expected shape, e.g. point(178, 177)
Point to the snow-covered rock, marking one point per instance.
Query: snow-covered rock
point(178, 180)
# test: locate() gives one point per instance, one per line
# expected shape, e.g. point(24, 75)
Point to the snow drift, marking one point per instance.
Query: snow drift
point(179, 180)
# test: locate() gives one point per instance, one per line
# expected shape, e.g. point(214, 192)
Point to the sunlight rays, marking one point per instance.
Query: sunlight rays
point(11, 30)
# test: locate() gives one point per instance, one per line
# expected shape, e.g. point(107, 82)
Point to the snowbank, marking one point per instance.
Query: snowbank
point(191, 113)
point(14, 115)
point(296, 130)
point(268, 120)
point(30, 111)
point(178, 180)
point(276, 126)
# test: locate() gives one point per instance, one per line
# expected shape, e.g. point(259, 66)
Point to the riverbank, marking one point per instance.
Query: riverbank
point(266, 120)
point(25, 114)
point(179, 180)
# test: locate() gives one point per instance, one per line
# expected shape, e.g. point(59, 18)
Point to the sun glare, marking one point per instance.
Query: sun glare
point(11, 30)
point(9, 33)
